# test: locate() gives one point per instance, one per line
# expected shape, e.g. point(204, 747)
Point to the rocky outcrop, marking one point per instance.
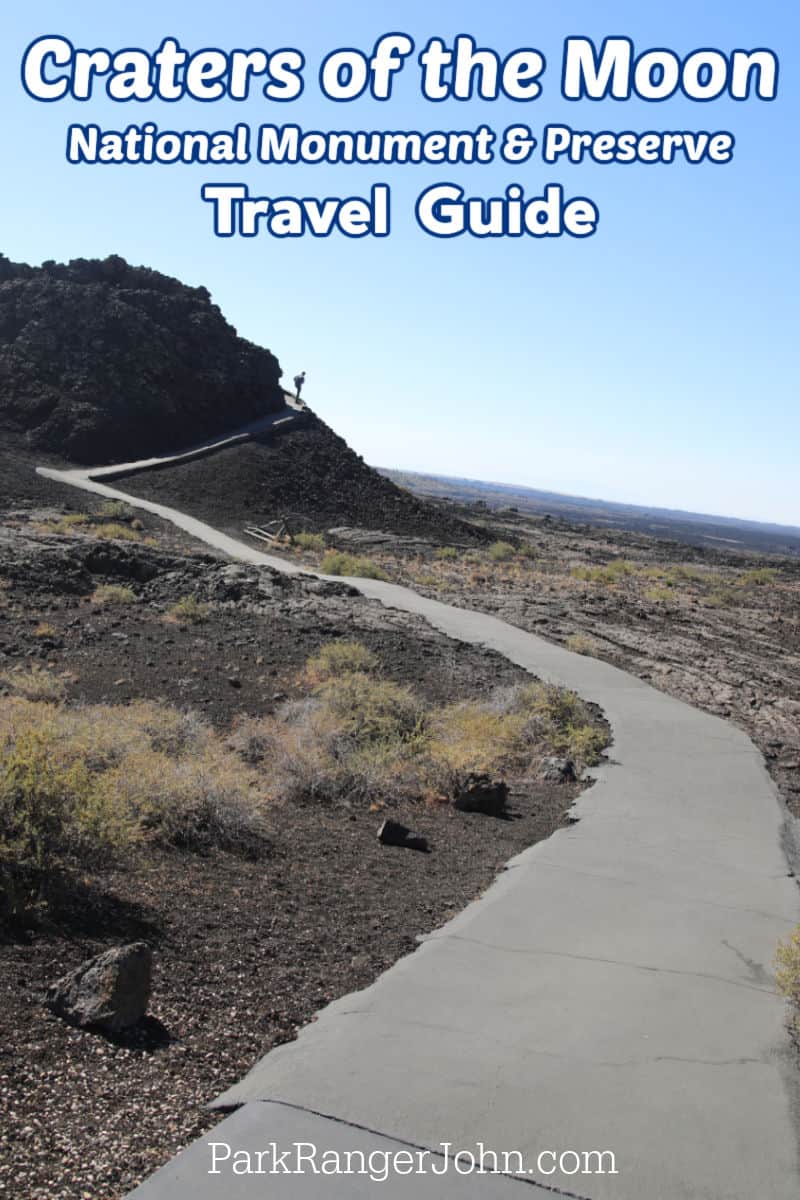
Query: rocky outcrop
point(111, 991)
point(559, 770)
point(482, 794)
point(392, 833)
point(74, 566)
point(101, 362)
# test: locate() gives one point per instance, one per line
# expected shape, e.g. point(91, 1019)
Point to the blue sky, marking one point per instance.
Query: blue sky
point(656, 362)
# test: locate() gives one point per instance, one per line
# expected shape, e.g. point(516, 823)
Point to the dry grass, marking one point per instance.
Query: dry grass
point(505, 568)
point(501, 551)
point(71, 523)
point(34, 683)
point(107, 524)
point(612, 573)
point(787, 961)
point(78, 785)
point(581, 643)
point(658, 595)
point(367, 711)
point(758, 577)
point(188, 611)
point(116, 510)
point(113, 531)
point(113, 593)
point(359, 737)
point(336, 562)
point(309, 541)
point(669, 583)
point(508, 735)
point(343, 657)
point(719, 598)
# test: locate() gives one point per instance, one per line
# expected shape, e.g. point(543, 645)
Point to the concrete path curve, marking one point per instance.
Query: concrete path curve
point(612, 991)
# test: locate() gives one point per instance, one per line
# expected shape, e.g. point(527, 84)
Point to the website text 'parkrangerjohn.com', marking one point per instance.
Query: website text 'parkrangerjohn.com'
point(307, 1158)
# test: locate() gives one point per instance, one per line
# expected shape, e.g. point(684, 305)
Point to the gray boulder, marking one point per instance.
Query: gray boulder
point(110, 991)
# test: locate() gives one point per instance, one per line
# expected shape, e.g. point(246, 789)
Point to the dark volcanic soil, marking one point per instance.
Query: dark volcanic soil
point(245, 952)
point(22, 490)
point(308, 475)
point(245, 659)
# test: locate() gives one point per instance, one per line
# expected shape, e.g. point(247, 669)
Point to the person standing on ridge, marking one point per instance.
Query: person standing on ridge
point(299, 380)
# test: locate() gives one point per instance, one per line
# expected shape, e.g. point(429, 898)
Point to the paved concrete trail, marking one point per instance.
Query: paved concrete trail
point(612, 991)
point(275, 422)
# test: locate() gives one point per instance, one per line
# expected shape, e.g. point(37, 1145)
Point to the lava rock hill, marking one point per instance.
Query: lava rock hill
point(103, 362)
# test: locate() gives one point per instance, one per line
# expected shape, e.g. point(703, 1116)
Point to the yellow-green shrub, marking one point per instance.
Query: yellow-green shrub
point(613, 572)
point(309, 541)
point(581, 643)
point(369, 710)
point(113, 593)
point(353, 736)
point(787, 960)
point(336, 562)
point(188, 611)
point(34, 683)
point(115, 532)
point(469, 739)
point(54, 816)
point(758, 576)
point(70, 523)
point(582, 742)
point(116, 510)
point(658, 595)
point(501, 551)
point(77, 784)
point(720, 598)
point(194, 802)
point(563, 721)
point(107, 524)
point(364, 738)
point(343, 657)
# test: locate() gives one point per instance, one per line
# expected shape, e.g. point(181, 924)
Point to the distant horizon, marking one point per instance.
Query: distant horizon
point(644, 508)
point(597, 498)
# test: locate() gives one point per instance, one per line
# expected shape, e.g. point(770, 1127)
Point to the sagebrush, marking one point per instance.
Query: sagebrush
point(309, 541)
point(188, 611)
point(336, 562)
point(342, 657)
point(78, 785)
point(34, 683)
point(358, 736)
point(113, 593)
point(787, 960)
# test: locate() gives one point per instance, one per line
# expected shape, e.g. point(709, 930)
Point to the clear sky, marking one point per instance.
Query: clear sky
point(656, 362)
